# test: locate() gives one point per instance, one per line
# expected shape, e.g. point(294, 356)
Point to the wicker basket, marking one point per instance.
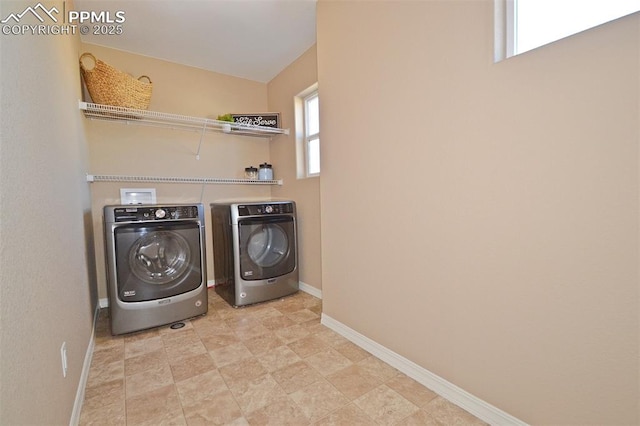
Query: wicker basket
point(109, 86)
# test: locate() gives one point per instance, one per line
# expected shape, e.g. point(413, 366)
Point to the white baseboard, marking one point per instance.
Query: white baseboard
point(310, 290)
point(84, 377)
point(479, 408)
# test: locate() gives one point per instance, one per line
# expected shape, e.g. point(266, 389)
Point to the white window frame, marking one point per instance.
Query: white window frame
point(302, 136)
point(506, 31)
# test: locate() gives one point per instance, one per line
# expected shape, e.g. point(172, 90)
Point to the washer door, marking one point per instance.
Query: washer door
point(267, 247)
point(155, 261)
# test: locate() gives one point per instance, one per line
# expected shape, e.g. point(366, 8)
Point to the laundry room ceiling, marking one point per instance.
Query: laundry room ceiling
point(252, 39)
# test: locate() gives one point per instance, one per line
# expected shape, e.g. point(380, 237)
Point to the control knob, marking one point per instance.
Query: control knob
point(161, 213)
point(268, 209)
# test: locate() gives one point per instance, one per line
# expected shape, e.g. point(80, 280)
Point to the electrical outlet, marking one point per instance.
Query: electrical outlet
point(63, 356)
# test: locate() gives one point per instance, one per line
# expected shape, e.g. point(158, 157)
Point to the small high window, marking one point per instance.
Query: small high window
point(527, 24)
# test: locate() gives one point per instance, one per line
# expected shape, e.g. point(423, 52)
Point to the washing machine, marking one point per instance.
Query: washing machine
point(156, 268)
point(255, 252)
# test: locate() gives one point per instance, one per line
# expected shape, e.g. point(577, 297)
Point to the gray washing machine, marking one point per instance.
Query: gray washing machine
point(255, 253)
point(156, 269)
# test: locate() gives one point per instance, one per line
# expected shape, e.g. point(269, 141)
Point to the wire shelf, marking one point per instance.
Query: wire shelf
point(177, 179)
point(175, 121)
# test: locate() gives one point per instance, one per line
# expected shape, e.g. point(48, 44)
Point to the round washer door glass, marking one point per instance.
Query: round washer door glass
point(268, 245)
point(160, 257)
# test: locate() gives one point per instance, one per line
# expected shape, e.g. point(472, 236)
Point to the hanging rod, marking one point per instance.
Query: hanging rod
point(175, 179)
point(175, 121)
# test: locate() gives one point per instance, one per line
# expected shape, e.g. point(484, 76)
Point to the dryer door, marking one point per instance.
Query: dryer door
point(267, 247)
point(156, 261)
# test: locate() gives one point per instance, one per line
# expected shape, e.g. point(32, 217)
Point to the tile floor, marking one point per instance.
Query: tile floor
point(271, 363)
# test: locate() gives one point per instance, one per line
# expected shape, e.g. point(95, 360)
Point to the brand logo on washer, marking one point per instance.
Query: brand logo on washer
point(248, 273)
point(129, 293)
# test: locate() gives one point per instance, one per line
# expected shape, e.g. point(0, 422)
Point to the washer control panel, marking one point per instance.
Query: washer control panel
point(264, 209)
point(151, 213)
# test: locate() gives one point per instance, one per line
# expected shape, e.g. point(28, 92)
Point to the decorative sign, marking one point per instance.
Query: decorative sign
point(265, 119)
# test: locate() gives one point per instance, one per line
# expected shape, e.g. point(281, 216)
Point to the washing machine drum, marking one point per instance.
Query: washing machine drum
point(160, 257)
point(268, 249)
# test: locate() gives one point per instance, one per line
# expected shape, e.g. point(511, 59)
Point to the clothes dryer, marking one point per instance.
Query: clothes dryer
point(156, 268)
point(255, 251)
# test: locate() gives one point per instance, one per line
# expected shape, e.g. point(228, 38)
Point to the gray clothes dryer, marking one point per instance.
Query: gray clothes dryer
point(255, 251)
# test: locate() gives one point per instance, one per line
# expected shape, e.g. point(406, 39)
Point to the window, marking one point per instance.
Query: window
point(307, 106)
point(528, 24)
point(312, 133)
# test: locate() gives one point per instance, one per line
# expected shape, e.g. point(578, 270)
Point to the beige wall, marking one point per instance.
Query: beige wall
point(47, 287)
point(121, 149)
point(297, 77)
point(481, 219)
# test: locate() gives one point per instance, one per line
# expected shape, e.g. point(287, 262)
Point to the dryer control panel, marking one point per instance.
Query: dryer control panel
point(151, 213)
point(264, 209)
